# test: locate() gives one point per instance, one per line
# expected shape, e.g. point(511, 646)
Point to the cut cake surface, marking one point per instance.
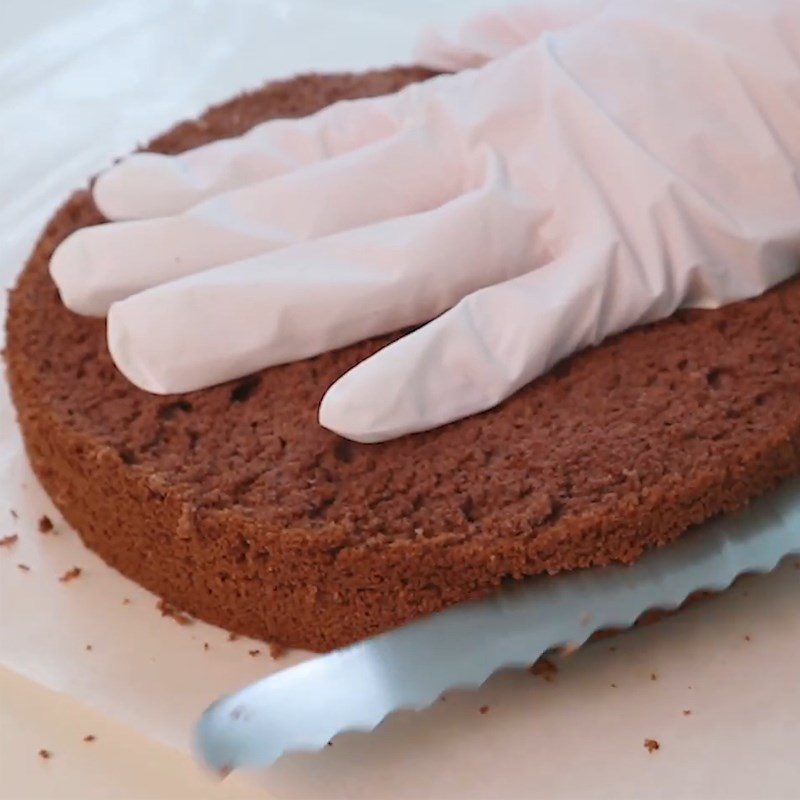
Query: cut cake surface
point(233, 504)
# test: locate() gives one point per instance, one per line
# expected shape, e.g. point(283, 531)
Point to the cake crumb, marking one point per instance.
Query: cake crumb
point(232, 637)
point(651, 745)
point(24, 567)
point(330, 744)
point(90, 737)
point(276, 650)
point(653, 676)
point(88, 647)
point(168, 610)
point(206, 646)
point(613, 685)
point(70, 575)
point(687, 712)
point(45, 524)
point(14, 514)
point(544, 668)
point(254, 653)
point(45, 754)
point(484, 709)
point(126, 601)
point(612, 648)
point(7, 541)
point(747, 637)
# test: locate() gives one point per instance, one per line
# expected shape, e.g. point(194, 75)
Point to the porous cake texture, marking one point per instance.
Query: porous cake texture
point(234, 505)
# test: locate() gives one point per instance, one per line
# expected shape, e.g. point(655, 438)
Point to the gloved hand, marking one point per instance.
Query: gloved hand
point(641, 158)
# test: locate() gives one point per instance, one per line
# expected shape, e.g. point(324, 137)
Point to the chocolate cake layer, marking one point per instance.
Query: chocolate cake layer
point(233, 504)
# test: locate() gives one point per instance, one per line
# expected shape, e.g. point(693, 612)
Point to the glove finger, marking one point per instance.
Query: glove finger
point(485, 348)
point(404, 174)
point(316, 296)
point(154, 185)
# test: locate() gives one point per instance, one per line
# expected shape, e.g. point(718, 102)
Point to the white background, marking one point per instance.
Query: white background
point(83, 81)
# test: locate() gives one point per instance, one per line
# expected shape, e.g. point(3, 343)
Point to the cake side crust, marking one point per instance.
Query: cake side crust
point(232, 503)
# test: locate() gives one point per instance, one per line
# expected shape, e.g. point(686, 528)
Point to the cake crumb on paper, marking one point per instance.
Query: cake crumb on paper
point(652, 745)
point(70, 575)
point(206, 646)
point(232, 637)
point(13, 513)
point(687, 712)
point(126, 601)
point(24, 567)
point(613, 685)
point(45, 754)
point(254, 653)
point(544, 668)
point(8, 541)
point(168, 610)
point(276, 650)
point(747, 637)
point(653, 676)
point(88, 647)
point(90, 737)
point(484, 709)
point(45, 524)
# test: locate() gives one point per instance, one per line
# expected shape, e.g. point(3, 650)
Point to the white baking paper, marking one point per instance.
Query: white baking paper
point(98, 78)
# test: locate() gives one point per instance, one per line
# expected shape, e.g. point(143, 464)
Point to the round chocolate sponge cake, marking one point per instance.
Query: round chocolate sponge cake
point(233, 504)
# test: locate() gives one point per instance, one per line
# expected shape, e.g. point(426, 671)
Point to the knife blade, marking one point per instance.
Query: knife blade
point(303, 707)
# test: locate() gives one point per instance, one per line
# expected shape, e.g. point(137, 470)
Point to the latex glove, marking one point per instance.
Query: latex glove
point(498, 32)
point(597, 178)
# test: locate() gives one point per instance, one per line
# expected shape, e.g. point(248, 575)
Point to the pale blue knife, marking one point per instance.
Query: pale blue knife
point(353, 689)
